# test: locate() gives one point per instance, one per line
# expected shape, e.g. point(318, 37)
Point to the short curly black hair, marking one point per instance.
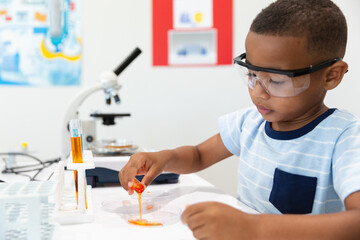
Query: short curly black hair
point(321, 22)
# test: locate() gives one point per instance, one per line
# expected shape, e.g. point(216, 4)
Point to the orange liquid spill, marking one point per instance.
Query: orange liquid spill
point(143, 222)
point(139, 188)
point(140, 211)
point(148, 207)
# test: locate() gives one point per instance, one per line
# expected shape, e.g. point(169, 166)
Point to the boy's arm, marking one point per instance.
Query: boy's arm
point(342, 225)
point(185, 159)
point(203, 220)
point(190, 159)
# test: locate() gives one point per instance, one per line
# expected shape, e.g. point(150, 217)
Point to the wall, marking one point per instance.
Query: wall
point(169, 106)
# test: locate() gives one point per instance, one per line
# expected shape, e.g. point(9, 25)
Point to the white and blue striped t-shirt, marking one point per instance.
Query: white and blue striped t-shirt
point(308, 170)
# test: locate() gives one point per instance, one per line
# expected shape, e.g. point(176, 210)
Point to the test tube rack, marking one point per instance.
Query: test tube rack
point(26, 210)
point(69, 212)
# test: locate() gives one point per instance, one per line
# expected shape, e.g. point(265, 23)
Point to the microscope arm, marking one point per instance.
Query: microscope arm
point(71, 113)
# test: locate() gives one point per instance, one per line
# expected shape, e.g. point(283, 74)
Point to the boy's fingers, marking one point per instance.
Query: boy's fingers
point(133, 182)
point(131, 185)
point(189, 211)
point(150, 176)
point(195, 220)
point(130, 191)
point(126, 175)
point(130, 170)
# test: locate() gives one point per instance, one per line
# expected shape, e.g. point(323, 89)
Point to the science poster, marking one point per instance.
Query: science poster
point(40, 42)
point(192, 32)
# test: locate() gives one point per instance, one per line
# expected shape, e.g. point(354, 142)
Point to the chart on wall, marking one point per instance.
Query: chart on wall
point(40, 42)
point(188, 32)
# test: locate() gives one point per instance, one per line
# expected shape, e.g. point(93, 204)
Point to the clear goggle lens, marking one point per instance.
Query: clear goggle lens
point(277, 85)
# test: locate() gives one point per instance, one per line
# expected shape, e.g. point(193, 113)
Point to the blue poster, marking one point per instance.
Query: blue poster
point(40, 42)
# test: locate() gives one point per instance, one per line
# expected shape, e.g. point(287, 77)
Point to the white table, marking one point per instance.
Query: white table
point(107, 225)
point(190, 189)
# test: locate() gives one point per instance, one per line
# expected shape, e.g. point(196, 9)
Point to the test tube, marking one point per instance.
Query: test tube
point(77, 151)
point(80, 134)
point(82, 151)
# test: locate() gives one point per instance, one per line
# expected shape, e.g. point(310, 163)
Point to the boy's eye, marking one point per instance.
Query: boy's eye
point(271, 81)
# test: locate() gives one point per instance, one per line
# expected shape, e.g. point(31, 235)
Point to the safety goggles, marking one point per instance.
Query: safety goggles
point(278, 83)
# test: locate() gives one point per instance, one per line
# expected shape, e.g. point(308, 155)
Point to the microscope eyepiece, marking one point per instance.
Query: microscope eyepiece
point(107, 98)
point(136, 52)
point(116, 99)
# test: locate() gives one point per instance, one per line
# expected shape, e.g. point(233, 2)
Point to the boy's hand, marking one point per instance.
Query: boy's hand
point(214, 220)
point(132, 185)
point(147, 164)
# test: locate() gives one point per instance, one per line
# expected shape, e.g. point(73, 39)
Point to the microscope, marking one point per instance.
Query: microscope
point(106, 167)
point(109, 84)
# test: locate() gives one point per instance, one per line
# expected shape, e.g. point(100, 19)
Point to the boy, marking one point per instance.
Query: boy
point(297, 156)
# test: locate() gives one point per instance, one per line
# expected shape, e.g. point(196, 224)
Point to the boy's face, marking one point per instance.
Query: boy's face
point(285, 53)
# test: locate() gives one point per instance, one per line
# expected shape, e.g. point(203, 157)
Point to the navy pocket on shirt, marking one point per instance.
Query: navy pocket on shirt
point(293, 193)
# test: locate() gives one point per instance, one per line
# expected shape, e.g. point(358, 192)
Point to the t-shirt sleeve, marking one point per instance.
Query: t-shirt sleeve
point(230, 127)
point(346, 162)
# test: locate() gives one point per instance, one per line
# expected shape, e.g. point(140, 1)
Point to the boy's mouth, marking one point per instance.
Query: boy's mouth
point(263, 110)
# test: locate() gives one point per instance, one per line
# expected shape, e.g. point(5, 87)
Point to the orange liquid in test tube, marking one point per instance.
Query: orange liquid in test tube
point(76, 151)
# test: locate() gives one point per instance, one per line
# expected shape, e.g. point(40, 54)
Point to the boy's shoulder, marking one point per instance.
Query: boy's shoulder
point(342, 119)
point(346, 114)
point(341, 124)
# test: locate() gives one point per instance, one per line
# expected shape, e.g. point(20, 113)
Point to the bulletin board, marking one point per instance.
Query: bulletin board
point(40, 42)
point(192, 33)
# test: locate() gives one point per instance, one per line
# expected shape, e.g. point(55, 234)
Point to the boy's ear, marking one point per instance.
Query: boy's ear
point(334, 74)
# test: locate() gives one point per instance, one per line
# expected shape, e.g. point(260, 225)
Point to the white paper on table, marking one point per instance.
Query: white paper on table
point(197, 197)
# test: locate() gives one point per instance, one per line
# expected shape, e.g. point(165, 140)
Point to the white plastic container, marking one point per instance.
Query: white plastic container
point(26, 210)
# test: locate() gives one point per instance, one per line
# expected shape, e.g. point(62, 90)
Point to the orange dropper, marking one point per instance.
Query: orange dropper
point(139, 188)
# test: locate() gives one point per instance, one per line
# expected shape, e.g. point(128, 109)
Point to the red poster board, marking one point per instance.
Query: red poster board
point(166, 38)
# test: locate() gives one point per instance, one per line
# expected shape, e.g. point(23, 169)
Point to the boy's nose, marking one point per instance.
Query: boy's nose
point(260, 91)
